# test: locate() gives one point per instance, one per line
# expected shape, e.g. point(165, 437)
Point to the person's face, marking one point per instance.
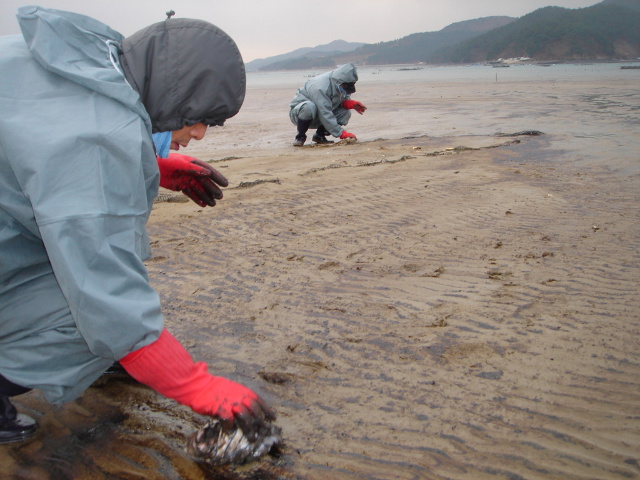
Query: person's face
point(349, 87)
point(182, 137)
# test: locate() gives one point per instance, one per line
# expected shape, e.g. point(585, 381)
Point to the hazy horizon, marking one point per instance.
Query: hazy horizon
point(265, 29)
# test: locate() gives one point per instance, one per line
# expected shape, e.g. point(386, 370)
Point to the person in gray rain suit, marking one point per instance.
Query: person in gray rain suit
point(324, 103)
point(78, 175)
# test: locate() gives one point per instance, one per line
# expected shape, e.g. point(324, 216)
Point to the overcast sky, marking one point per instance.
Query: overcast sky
point(264, 28)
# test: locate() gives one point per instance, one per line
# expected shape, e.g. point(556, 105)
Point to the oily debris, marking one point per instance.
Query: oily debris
point(218, 446)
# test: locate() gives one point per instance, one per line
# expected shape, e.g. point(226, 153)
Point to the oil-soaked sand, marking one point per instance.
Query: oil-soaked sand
point(409, 308)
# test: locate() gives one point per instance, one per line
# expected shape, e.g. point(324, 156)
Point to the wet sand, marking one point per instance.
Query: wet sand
point(449, 298)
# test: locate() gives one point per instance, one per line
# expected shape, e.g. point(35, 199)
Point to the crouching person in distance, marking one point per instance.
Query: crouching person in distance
point(324, 103)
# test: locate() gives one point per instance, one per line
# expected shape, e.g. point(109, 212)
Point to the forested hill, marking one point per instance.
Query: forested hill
point(418, 47)
point(409, 49)
point(604, 31)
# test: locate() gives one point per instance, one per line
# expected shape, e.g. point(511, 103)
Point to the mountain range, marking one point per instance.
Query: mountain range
point(334, 48)
point(605, 31)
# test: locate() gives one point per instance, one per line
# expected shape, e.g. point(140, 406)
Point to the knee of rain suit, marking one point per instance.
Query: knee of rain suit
point(303, 111)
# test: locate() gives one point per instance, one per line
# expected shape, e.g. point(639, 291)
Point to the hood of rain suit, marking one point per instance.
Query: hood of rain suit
point(186, 71)
point(345, 74)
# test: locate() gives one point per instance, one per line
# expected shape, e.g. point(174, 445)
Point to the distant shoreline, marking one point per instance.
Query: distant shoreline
point(415, 66)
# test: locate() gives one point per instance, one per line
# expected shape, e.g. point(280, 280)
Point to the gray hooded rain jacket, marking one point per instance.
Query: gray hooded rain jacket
point(78, 176)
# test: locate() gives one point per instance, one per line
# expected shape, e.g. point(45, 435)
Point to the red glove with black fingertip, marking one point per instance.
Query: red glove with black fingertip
point(167, 367)
point(346, 134)
point(195, 178)
point(354, 105)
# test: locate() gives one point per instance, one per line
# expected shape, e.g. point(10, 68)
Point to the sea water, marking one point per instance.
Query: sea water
point(425, 73)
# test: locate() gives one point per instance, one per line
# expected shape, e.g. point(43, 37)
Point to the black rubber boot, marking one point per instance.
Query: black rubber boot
point(116, 370)
point(301, 137)
point(14, 426)
point(321, 135)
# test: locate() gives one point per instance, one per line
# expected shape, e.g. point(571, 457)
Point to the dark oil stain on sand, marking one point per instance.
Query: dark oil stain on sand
point(118, 430)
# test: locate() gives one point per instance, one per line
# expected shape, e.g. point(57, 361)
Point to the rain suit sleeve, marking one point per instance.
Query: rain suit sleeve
point(91, 187)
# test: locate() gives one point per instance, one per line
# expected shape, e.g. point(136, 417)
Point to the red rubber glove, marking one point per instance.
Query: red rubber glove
point(167, 367)
point(354, 105)
point(193, 177)
point(346, 134)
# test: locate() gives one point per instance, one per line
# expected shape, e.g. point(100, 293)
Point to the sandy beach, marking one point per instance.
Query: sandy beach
point(454, 296)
